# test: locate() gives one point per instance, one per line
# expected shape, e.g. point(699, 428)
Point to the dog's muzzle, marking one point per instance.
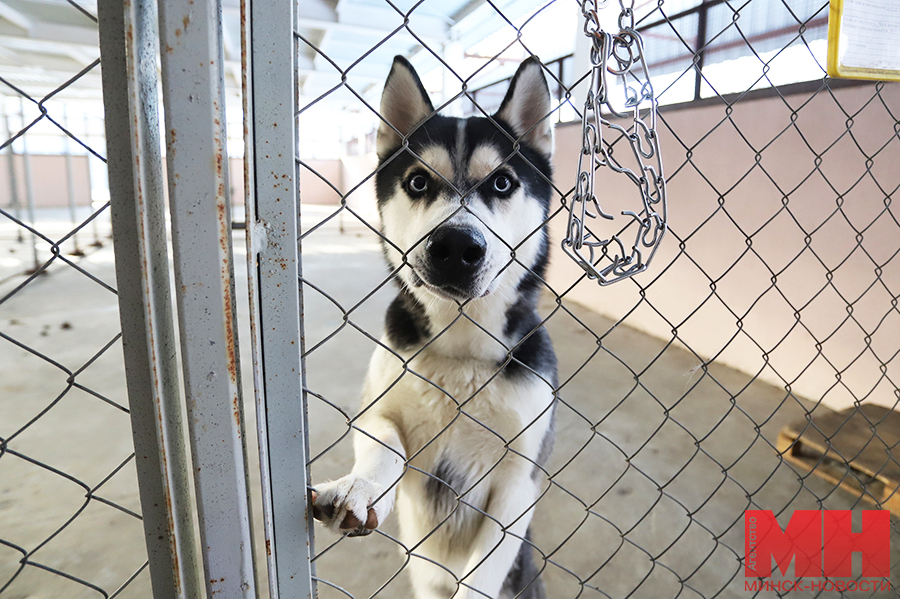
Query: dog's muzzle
point(455, 257)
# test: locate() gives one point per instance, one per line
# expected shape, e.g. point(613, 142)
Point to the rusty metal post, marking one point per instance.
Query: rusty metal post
point(273, 258)
point(128, 49)
point(193, 96)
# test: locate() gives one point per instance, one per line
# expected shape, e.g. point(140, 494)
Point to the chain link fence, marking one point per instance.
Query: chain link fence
point(754, 365)
point(70, 518)
point(728, 377)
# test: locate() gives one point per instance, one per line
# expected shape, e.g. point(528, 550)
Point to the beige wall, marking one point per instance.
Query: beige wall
point(48, 176)
point(49, 180)
point(762, 334)
point(769, 340)
point(359, 183)
point(236, 178)
point(313, 190)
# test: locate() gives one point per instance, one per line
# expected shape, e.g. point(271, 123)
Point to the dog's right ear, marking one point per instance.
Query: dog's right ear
point(404, 104)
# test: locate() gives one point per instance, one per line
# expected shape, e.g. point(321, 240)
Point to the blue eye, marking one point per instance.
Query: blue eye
point(417, 183)
point(502, 184)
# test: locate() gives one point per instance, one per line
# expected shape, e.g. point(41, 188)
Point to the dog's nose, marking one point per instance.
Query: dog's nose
point(456, 253)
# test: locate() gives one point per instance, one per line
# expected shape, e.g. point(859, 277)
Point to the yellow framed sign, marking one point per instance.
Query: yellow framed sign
point(864, 39)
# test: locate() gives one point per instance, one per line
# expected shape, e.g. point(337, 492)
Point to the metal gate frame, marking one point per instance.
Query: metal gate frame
point(273, 259)
point(192, 94)
point(127, 34)
point(202, 254)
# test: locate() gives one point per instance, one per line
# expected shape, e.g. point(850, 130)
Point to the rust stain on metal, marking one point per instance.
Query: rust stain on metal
point(244, 90)
point(224, 242)
point(268, 547)
point(229, 332)
point(132, 68)
point(237, 414)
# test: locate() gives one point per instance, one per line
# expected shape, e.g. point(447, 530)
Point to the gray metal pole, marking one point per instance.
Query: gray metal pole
point(193, 95)
point(14, 202)
point(273, 258)
point(29, 193)
point(70, 186)
point(128, 49)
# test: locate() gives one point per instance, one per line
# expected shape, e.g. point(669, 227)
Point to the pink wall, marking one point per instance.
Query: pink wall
point(752, 205)
point(358, 182)
point(49, 181)
point(48, 176)
point(313, 190)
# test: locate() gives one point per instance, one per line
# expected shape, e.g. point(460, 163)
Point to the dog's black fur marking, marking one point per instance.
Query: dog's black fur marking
point(528, 291)
point(530, 166)
point(437, 130)
point(524, 577)
point(443, 487)
point(533, 354)
point(522, 320)
point(406, 324)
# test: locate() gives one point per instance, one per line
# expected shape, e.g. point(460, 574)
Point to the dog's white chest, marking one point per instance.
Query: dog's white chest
point(467, 411)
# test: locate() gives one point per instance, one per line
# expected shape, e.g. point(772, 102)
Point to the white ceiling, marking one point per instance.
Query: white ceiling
point(361, 37)
point(45, 43)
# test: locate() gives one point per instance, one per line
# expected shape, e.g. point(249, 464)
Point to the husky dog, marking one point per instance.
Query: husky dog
point(457, 408)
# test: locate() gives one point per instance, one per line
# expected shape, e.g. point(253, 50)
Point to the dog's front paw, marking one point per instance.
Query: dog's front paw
point(348, 505)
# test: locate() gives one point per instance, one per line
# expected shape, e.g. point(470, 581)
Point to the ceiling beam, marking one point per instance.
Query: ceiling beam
point(232, 51)
point(372, 31)
point(58, 34)
point(81, 53)
point(38, 82)
point(355, 75)
point(324, 24)
point(10, 14)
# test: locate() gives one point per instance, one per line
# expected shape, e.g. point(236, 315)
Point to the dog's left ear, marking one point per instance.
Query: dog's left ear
point(404, 104)
point(526, 107)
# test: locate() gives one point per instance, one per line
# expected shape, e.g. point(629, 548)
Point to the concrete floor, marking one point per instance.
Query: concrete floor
point(646, 504)
point(67, 317)
point(646, 498)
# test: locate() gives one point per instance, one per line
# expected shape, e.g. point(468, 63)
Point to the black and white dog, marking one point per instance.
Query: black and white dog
point(457, 408)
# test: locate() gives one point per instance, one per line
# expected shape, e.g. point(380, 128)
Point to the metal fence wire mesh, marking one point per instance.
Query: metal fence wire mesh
point(772, 301)
point(70, 523)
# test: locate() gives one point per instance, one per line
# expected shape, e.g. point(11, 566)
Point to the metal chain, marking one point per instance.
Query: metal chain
point(621, 55)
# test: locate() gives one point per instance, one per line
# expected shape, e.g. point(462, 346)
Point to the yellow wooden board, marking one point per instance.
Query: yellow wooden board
point(863, 39)
point(855, 449)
